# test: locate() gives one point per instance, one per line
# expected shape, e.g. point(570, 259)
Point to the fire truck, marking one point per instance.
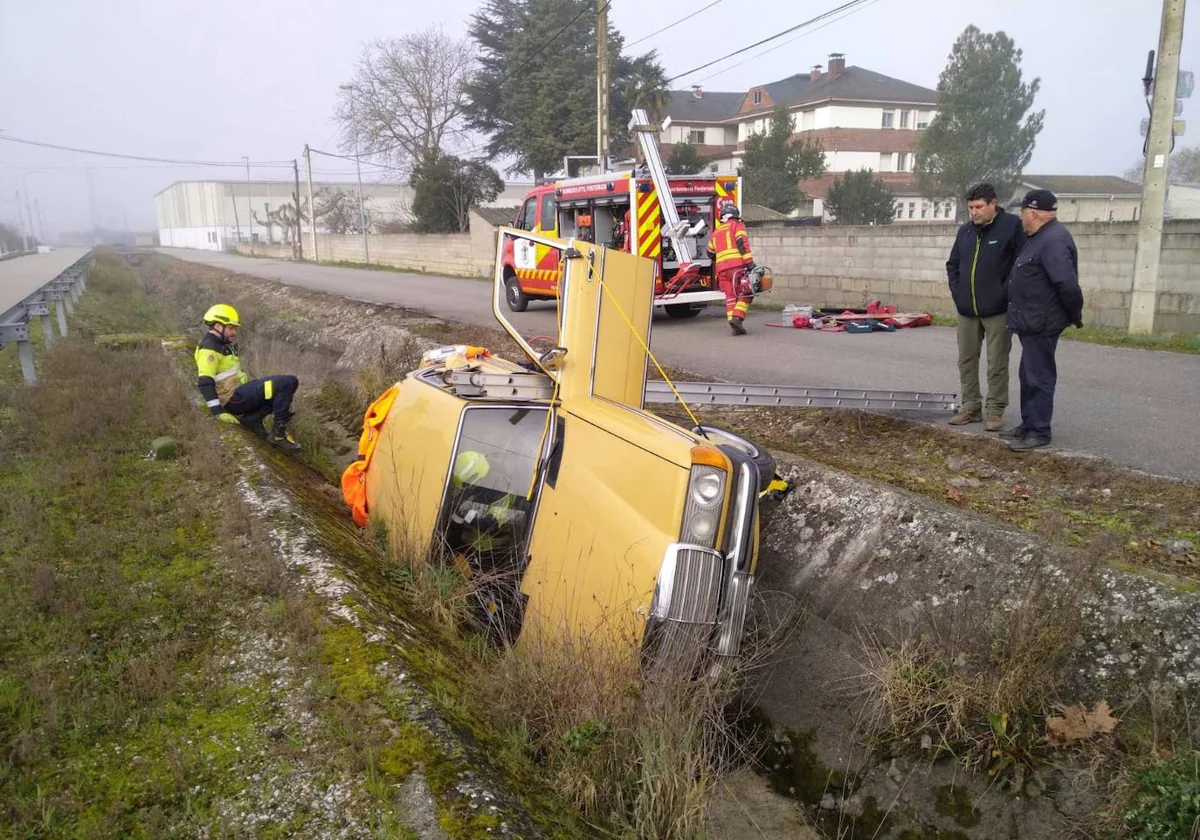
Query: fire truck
point(641, 211)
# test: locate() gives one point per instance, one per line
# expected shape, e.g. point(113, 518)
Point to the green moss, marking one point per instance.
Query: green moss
point(956, 803)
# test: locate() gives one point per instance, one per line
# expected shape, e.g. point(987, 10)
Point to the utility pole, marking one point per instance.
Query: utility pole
point(1144, 298)
point(296, 197)
point(312, 208)
point(29, 216)
point(362, 216)
point(91, 188)
point(249, 206)
point(602, 83)
point(41, 221)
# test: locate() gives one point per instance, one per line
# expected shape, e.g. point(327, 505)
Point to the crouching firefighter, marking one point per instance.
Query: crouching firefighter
point(230, 394)
point(729, 249)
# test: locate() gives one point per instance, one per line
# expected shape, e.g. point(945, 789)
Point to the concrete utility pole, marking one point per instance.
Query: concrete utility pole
point(1144, 298)
point(362, 216)
point(299, 238)
point(249, 205)
point(41, 222)
point(602, 83)
point(312, 207)
point(29, 215)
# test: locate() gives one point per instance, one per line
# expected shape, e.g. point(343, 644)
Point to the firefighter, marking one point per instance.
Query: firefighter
point(229, 392)
point(729, 249)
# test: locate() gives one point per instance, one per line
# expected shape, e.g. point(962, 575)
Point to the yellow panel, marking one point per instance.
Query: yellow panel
point(408, 468)
point(616, 322)
point(599, 538)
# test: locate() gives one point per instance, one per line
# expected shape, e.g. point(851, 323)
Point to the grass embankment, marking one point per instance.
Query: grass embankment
point(160, 675)
point(1114, 337)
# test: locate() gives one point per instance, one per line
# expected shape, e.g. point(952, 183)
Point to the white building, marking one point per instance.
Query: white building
point(210, 215)
point(862, 119)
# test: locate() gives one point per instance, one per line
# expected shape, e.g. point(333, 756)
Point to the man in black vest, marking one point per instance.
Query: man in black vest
point(1044, 298)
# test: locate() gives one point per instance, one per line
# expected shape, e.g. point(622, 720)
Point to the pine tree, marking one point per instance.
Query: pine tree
point(983, 130)
point(859, 198)
point(774, 165)
point(685, 160)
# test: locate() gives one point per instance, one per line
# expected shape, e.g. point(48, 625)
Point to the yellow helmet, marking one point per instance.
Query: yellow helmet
point(470, 467)
point(222, 313)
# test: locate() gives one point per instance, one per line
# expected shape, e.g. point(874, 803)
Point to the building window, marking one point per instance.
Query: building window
point(887, 118)
point(912, 208)
point(696, 136)
point(924, 118)
point(886, 161)
point(937, 208)
point(905, 119)
point(807, 120)
point(758, 97)
point(899, 210)
point(924, 209)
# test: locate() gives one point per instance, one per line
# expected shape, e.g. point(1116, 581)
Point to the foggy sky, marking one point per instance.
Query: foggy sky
point(219, 79)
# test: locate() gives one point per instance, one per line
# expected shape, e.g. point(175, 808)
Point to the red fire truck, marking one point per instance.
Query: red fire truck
point(621, 210)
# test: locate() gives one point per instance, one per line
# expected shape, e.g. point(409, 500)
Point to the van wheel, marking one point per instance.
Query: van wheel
point(516, 299)
point(765, 460)
point(682, 310)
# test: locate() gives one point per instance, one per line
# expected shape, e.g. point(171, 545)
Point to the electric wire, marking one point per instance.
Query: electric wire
point(241, 163)
point(672, 25)
point(852, 4)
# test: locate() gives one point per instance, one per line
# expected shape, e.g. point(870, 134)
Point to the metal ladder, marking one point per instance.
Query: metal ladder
point(673, 227)
point(536, 386)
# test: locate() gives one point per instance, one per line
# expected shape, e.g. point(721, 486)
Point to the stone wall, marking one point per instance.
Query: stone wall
point(906, 265)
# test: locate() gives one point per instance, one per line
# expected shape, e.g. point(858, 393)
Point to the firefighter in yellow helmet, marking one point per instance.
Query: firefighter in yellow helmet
point(229, 392)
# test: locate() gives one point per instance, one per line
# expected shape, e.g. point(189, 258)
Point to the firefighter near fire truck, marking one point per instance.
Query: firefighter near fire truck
point(733, 265)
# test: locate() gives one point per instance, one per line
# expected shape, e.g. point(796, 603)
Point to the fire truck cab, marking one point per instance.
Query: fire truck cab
point(620, 210)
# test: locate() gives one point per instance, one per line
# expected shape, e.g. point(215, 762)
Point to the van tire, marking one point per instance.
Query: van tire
point(764, 459)
point(516, 299)
point(682, 310)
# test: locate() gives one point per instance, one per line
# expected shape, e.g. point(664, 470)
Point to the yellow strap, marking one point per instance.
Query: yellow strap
point(646, 347)
point(269, 389)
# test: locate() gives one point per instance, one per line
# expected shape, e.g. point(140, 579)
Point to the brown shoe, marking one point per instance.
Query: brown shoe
point(964, 417)
point(995, 423)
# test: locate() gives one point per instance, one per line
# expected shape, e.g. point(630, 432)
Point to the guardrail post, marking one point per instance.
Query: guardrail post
point(65, 300)
point(47, 328)
point(61, 308)
point(25, 351)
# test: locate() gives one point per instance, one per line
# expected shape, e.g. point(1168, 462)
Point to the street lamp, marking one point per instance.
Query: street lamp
point(249, 205)
point(362, 218)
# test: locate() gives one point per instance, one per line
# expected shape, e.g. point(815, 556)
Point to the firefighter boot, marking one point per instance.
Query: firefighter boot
point(735, 324)
point(281, 439)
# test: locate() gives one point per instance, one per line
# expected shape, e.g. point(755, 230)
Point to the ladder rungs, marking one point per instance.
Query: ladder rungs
point(721, 393)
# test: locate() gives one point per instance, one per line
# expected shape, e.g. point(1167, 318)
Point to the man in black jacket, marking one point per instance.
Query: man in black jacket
point(1044, 298)
point(980, 261)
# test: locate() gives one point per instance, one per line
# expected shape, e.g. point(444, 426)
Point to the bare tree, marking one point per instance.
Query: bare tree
point(406, 97)
point(337, 211)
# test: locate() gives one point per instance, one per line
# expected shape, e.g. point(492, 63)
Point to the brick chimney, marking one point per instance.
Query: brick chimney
point(697, 93)
point(815, 73)
point(837, 65)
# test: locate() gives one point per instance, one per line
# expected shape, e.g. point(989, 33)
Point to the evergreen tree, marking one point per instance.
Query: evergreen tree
point(983, 130)
point(534, 93)
point(774, 165)
point(859, 198)
point(685, 160)
point(445, 190)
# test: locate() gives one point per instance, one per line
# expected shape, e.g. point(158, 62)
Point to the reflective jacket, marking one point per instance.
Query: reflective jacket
point(731, 246)
point(220, 371)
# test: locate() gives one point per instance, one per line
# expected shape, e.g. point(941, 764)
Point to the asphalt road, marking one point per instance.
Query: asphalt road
point(1137, 408)
point(22, 276)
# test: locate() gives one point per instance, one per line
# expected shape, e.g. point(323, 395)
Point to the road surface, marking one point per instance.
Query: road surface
point(1137, 408)
point(22, 276)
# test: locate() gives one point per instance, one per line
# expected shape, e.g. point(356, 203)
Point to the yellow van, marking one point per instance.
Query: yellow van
point(581, 514)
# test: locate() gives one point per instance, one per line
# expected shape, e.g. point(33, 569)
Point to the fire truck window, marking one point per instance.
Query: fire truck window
point(525, 220)
point(547, 218)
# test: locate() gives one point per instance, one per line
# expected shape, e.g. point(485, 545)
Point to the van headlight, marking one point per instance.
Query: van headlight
point(707, 484)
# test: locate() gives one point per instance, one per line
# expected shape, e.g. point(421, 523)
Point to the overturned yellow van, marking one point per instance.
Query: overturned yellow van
point(581, 514)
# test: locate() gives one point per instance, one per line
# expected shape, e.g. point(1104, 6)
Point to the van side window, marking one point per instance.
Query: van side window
point(525, 220)
point(547, 218)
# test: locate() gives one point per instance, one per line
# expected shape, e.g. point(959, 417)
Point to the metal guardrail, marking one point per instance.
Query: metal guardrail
point(8, 255)
point(61, 293)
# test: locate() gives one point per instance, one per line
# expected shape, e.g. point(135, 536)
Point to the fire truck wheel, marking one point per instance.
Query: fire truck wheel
point(682, 310)
point(517, 300)
point(765, 460)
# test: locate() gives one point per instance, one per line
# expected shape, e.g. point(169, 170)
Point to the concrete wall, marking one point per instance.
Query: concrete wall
point(453, 254)
point(906, 265)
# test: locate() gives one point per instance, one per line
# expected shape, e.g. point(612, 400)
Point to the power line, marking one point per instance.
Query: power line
point(785, 43)
point(852, 4)
point(672, 25)
point(268, 164)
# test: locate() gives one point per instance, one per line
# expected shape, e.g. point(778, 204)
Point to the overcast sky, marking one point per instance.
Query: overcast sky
point(219, 79)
